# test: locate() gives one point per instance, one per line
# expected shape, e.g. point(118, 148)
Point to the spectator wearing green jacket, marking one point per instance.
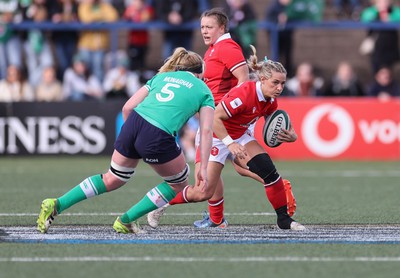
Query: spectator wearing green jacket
point(10, 42)
point(243, 23)
point(282, 12)
point(386, 48)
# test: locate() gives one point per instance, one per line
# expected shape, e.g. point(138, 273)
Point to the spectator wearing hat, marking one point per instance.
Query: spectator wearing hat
point(79, 83)
point(119, 81)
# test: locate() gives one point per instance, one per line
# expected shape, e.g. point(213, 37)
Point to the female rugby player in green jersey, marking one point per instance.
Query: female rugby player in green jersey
point(153, 116)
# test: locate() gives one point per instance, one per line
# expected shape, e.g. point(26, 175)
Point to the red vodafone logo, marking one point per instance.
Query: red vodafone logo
point(331, 138)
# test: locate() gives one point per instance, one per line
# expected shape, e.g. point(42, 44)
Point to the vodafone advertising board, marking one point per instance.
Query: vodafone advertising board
point(340, 128)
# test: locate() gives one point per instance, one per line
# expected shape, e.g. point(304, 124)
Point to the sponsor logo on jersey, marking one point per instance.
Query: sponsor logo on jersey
point(236, 103)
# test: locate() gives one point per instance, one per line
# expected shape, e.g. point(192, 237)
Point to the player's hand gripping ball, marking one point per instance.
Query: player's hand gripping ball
point(273, 125)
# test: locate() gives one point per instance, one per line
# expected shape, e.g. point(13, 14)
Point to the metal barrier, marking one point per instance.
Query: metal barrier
point(271, 27)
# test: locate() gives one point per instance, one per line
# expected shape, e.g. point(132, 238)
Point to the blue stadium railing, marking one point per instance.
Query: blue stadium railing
point(270, 27)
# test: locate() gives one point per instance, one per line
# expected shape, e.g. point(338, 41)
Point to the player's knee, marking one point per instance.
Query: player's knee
point(180, 177)
point(263, 166)
point(122, 173)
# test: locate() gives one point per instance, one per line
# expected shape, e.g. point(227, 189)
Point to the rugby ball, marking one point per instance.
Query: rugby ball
point(273, 125)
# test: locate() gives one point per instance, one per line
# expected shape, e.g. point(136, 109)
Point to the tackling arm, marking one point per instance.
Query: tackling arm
point(206, 116)
point(134, 101)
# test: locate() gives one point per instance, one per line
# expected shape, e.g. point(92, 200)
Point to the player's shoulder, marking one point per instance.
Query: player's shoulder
point(246, 87)
point(242, 91)
point(229, 41)
point(228, 45)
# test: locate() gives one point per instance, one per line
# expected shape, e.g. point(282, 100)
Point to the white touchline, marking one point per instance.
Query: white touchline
point(198, 259)
point(119, 213)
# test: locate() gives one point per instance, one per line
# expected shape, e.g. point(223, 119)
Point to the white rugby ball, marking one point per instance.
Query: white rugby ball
point(273, 125)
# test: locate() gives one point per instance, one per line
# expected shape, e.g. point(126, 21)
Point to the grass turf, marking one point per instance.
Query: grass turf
point(327, 193)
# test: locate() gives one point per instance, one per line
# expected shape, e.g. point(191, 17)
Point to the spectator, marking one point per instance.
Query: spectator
point(93, 44)
point(49, 88)
point(37, 46)
point(243, 23)
point(344, 83)
point(305, 83)
point(138, 42)
point(79, 84)
point(120, 82)
point(177, 12)
point(386, 49)
point(292, 11)
point(65, 41)
point(14, 87)
point(347, 9)
point(10, 42)
point(384, 86)
point(119, 6)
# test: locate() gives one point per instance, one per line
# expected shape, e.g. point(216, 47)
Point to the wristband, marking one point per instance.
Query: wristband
point(227, 140)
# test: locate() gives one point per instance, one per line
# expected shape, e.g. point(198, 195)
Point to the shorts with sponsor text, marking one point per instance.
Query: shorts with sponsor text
point(140, 139)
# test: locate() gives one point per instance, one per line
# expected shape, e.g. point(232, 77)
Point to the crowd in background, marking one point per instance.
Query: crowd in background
point(76, 65)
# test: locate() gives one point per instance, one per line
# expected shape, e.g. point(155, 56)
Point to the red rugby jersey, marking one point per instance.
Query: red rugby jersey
point(244, 104)
point(221, 59)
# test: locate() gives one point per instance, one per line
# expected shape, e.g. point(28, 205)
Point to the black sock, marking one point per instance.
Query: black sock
point(284, 219)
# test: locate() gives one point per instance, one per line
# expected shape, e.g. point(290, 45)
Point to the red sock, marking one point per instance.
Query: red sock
point(216, 210)
point(180, 198)
point(276, 194)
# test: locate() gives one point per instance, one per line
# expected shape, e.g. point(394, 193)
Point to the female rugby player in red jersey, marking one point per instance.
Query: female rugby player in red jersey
point(225, 67)
point(240, 108)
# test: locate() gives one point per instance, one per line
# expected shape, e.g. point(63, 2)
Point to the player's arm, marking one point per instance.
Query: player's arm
point(134, 101)
point(221, 132)
point(206, 116)
point(241, 73)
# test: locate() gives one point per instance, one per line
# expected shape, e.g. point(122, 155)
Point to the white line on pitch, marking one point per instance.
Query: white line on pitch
point(119, 213)
point(198, 259)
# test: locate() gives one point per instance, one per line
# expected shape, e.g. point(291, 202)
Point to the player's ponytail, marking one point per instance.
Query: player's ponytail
point(264, 68)
point(183, 60)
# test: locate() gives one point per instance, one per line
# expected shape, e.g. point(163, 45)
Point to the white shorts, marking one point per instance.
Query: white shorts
point(197, 138)
point(220, 152)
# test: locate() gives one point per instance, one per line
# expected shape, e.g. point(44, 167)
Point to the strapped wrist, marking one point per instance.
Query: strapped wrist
point(227, 140)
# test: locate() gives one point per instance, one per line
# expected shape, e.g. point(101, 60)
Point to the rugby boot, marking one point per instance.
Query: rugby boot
point(291, 200)
point(46, 216)
point(153, 217)
point(130, 228)
point(206, 222)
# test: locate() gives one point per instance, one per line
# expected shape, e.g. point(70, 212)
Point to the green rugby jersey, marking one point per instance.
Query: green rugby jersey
point(173, 98)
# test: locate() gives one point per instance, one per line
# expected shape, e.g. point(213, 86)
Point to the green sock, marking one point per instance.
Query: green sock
point(90, 187)
point(155, 198)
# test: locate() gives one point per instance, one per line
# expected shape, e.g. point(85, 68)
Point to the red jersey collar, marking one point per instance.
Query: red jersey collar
point(223, 37)
point(260, 95)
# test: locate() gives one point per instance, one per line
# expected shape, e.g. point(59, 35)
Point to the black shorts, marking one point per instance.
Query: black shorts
point(140, 139)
